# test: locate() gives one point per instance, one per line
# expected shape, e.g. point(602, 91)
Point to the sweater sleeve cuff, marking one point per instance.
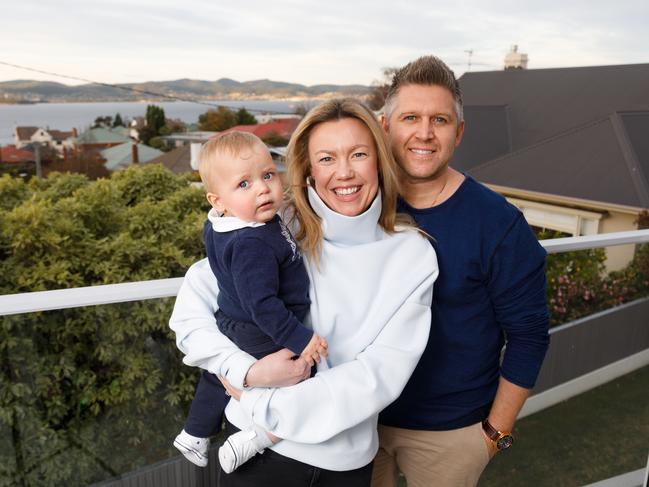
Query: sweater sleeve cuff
point(298, 339)
point(234, 369)
point(248, 399)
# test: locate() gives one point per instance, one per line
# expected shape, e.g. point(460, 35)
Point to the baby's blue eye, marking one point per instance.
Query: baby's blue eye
point(244, 184)
point(268, 176)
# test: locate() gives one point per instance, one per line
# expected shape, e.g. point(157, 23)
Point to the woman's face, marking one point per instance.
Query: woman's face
point(344, 165)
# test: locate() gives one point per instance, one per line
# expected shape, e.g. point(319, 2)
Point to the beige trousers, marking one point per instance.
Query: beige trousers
point(453, 458)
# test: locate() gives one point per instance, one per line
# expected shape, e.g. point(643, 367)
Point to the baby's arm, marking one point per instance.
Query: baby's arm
point(256, 274)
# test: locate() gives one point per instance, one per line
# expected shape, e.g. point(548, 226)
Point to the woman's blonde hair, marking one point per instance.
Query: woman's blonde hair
point(309, 232)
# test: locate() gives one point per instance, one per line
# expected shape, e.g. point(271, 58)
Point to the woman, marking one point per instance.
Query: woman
point(371, 290)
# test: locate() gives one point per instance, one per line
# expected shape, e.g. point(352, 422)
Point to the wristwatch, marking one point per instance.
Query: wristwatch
point(500, 439)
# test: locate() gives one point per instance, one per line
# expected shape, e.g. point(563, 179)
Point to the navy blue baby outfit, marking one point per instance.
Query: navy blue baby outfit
point(263, 300)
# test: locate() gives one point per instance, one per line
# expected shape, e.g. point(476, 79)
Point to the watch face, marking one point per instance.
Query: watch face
point(505, 442)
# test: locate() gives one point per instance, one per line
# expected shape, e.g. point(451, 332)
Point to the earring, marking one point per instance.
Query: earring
point(309, 181)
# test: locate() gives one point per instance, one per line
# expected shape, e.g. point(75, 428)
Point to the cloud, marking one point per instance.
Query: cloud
point(310, 42)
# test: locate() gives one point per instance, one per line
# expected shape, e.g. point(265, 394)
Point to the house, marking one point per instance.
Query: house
point(102, 138)
point(62, 141)
point(123, 155)
point(10, 154)
point(567, 146)
point(28, 135)
point(282, 127)
point(177, 160)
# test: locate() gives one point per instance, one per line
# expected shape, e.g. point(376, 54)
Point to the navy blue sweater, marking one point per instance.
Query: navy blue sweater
point(491, 286)
point(262, 280)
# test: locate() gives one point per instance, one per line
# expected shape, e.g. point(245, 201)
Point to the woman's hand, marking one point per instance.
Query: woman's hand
point(279, 369)
point(230, 390)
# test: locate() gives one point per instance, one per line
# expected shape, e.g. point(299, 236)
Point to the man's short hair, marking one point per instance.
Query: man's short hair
point(231, 143)
point(428, 71)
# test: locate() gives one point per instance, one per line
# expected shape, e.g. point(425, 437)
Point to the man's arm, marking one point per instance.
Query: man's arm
point(517, 287)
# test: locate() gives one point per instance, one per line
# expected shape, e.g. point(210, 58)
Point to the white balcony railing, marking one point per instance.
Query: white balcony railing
point(11, 304)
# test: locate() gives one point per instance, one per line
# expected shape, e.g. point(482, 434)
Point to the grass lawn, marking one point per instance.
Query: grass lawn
point(596, 435)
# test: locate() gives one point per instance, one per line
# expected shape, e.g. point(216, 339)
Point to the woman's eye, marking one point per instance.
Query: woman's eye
point(325, 159)
point(244, 184)
point(268, 176)
point(359, 155)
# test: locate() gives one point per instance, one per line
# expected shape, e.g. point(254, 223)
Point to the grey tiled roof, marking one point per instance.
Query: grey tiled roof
point(576, 132)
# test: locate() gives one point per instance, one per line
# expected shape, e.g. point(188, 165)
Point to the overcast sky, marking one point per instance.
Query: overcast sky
point(309, 42)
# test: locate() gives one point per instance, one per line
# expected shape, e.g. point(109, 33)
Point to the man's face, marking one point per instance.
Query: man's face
point(423, 130)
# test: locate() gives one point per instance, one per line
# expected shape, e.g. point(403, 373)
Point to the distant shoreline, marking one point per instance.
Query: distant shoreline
point(291, 99)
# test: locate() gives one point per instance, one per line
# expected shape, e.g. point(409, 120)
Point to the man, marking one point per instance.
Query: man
point(491, 289)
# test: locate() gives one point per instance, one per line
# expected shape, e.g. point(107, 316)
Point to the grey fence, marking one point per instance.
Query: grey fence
point(593, 342)
point(576, 349)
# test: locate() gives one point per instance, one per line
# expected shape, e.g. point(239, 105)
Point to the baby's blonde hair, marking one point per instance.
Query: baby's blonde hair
point(231, 143)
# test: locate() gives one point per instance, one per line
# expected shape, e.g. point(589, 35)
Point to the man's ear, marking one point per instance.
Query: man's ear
point(459, 133)
point(216, 203)
point(384, 123)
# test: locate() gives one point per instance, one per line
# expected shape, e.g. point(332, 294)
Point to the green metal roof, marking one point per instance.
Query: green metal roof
point(102, 135)
point(121, 156)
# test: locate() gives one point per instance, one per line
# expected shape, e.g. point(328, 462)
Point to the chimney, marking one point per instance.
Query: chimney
point(515, 59)
point(134, 154)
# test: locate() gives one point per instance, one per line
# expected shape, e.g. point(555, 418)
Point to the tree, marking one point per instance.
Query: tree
point(154, 123)
point(217, 120)
point(117, 121)
point(376, 98)
point(273, 139)
point(89, 393)
point(155, 118)
point(103, 121)
point(244, 117)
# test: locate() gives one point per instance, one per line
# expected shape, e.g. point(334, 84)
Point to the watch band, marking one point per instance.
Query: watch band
point(502, 440)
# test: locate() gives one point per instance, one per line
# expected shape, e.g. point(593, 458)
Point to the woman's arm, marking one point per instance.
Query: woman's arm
point(199, 338)
point(341, 397)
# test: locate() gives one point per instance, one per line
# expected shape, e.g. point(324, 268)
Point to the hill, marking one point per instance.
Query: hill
point(222, 89)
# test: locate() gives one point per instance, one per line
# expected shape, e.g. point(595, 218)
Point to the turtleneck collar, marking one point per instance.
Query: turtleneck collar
point(348, 230)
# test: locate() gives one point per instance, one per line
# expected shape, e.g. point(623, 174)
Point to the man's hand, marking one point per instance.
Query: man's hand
point(279, 369)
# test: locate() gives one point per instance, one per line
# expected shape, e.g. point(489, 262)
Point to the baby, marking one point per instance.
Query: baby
point(263, 285)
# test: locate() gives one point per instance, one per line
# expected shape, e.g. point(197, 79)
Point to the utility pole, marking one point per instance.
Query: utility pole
point(470, 53)
point(39, 169)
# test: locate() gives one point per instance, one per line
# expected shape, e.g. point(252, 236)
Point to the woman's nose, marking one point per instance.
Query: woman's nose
point(345, 170)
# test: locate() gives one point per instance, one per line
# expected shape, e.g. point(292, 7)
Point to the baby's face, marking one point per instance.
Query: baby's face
point(247, 186)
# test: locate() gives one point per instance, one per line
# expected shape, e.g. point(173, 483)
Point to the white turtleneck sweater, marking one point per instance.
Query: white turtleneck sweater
point(370, 299)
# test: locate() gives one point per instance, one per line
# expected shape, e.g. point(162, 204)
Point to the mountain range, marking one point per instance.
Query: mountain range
point(222, 89)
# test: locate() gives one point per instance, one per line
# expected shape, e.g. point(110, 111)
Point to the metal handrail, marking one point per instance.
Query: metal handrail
point(11, 304)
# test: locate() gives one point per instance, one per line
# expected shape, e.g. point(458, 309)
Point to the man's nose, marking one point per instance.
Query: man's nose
point(425, 130)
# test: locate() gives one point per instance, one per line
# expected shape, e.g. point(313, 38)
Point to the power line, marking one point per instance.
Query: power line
point(137, 90)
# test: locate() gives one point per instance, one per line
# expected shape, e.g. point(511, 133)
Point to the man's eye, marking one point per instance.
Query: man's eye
point(440, 120)
point(268, 176)
point(244, 184)
point(410, 118)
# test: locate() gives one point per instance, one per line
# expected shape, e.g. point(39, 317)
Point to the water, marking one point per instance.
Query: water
point(65, 116)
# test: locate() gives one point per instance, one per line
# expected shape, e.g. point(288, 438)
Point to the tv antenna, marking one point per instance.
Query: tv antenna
point(470, 53)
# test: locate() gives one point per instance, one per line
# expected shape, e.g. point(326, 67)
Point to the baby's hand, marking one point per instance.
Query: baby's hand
point(316, 348)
